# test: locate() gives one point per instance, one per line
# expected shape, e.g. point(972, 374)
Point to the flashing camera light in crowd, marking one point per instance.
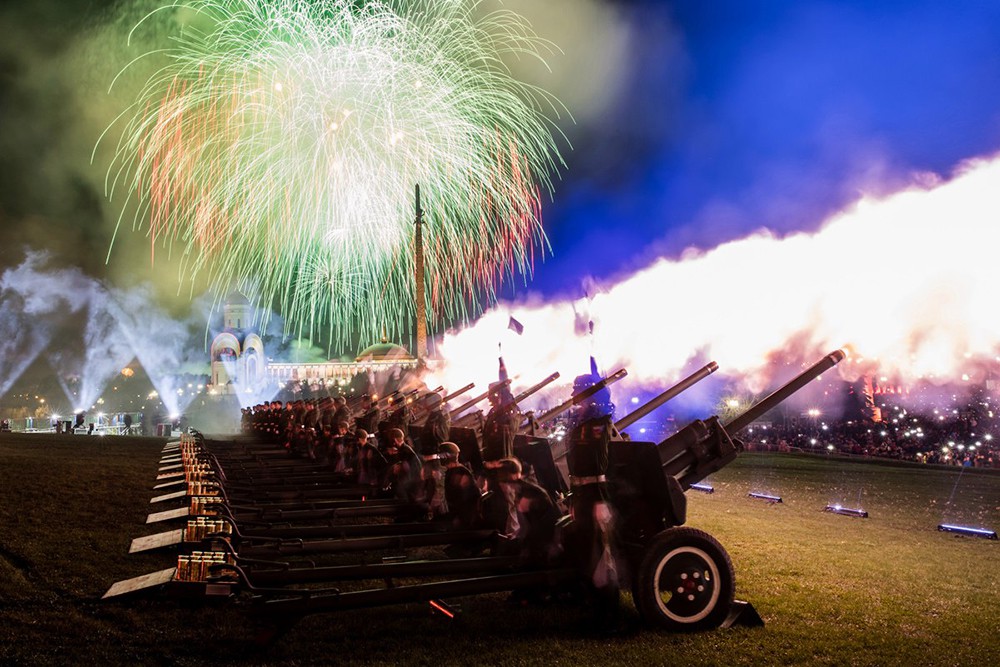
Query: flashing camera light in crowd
point(966, 530)
point(764, 496)
point(704, 488)
point(846, 511)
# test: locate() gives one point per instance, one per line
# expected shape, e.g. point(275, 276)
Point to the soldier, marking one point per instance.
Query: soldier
point(372, 465)
point(404, 475)
point(436, 427)
point(336, 455)
point(310, 429)
point(342, 412)
point(502, 421)
point(369, 419)
point(401, 417)
point(587, 460)
point(532, 516)
point(461, 492)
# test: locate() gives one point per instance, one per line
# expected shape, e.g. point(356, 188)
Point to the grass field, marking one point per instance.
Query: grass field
point(833, 590)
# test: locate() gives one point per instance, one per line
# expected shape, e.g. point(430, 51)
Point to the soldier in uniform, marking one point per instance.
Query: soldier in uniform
point(436, 427)
point(342, 413)
point(502, 421)
point(461, 492)
point(590, 543)
point(372, 465)
point(532, 516)
point(500, 425)
point(338, 448)
point(405, 466)
point(369, 419)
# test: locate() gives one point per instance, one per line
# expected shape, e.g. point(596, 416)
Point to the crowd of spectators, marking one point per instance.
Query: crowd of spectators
point(960, 437)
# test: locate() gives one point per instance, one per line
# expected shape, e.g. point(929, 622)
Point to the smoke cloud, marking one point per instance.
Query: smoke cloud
point(906, 280)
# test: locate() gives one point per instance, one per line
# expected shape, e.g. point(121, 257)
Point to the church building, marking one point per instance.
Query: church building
point(238, 361)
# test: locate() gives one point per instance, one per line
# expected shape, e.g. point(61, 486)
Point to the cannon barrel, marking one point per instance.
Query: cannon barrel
point(406, 398)
point(458, 392)
point(786, 390)
point(669, 394)
point(703, 447)
point(391, 396)
point(468, 404)
point(531, 390)
point(536, 387)
point(576, 399)
point(413, 398)
point(425, 412)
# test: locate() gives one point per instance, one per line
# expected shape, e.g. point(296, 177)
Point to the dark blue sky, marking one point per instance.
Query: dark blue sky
point(740, 114)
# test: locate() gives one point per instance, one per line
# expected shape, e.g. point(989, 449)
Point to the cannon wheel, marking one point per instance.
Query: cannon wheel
point(685, 581)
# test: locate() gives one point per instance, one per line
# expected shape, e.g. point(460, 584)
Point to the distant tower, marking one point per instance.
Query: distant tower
point(238, 361)
point(421, 298)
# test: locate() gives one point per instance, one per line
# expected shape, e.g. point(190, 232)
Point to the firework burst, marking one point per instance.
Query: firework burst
point(280, 143)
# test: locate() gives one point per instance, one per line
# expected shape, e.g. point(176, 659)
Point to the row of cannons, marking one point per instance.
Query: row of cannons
point(286, 537)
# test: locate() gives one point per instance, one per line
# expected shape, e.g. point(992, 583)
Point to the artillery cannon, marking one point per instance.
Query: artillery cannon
point(666, 557)
point(681, 577)
point(425, 411)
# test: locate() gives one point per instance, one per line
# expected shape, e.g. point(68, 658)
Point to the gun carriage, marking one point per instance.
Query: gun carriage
point(280, 529)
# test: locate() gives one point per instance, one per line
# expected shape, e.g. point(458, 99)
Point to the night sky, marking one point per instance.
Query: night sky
point(743, 114)
point(718, 118)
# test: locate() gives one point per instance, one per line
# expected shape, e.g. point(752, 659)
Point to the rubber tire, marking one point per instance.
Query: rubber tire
point(679, 557)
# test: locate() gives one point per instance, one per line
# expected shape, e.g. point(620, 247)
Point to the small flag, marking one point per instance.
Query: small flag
point(515, 326)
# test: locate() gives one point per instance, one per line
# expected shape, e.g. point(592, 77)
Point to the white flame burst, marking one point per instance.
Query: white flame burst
point(908, 281)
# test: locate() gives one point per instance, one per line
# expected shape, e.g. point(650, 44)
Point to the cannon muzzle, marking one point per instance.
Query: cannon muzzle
point(576, 399)
point(782, 393)
point(677, 389)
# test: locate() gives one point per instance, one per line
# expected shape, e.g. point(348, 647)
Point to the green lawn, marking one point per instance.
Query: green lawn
point(888, 590)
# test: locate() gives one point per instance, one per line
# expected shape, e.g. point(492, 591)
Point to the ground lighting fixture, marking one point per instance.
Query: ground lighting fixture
point(846, 511)
point(704, 488)
point(765, 496)
point(966, 530)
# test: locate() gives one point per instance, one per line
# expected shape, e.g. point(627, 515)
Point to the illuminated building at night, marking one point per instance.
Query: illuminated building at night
point(238, 360)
